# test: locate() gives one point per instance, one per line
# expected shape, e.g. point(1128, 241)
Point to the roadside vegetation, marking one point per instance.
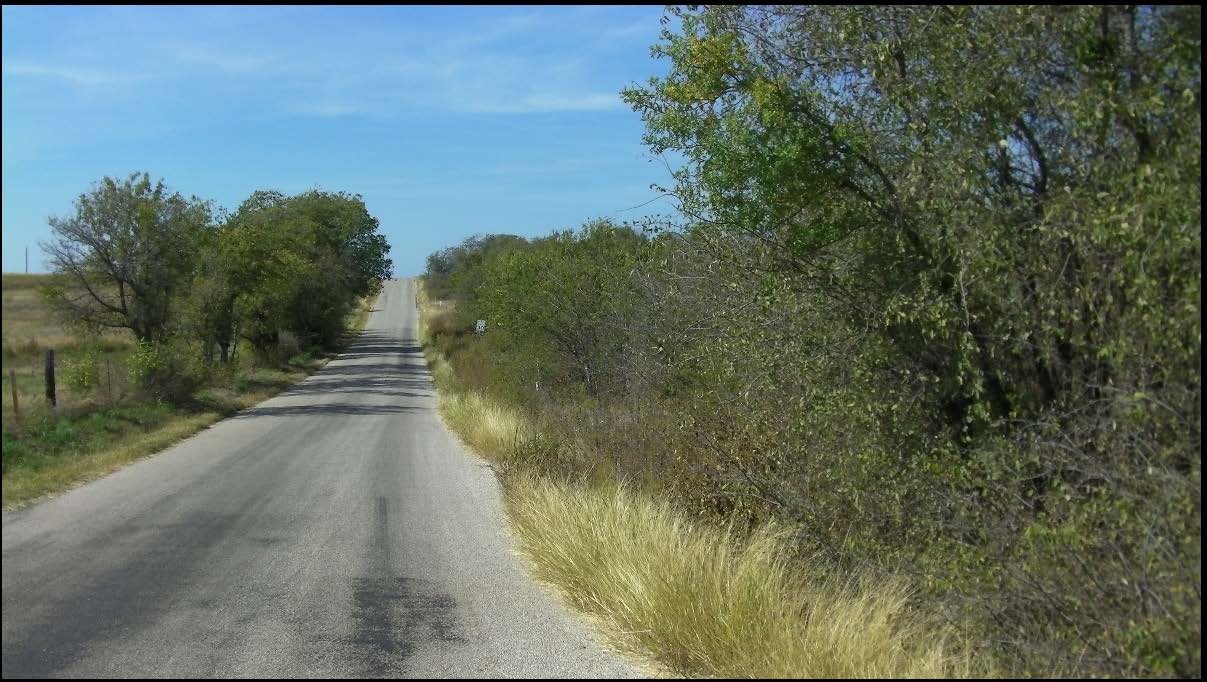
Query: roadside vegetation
point(923, 352)
point(701, 596)
point(165, 318)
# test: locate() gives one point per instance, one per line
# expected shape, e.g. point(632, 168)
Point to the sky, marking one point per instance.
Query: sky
point(449, 122)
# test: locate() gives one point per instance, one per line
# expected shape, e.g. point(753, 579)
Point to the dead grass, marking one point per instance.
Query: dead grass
point(490, 428)
point(29, 327)
point(29, 330)
point(705, 603)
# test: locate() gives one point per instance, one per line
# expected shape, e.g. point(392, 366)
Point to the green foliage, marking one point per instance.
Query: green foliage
point(453, 272)
point(139, 257)
point(169, 371)
point(297, 264)
point(953, 259)
point(945, 214)
point(558, 310)
point(47, 439)
point(562, 306)
point(207, 312)
point(306, 356)
point(936, 301)
point(82, 373)
point(125, 255)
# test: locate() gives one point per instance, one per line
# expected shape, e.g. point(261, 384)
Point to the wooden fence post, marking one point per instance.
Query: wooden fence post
point(12, 384)
point(109, 375)
point(50, 394)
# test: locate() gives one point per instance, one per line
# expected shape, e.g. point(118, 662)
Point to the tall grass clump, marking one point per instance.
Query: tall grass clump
point(706, 603)
point(489, 427)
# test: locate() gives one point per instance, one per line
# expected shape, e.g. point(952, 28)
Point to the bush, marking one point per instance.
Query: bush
point(82, 373)
point(170, 370)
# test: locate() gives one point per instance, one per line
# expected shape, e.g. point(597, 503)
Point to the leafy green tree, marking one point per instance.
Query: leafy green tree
point(125, 255)
point(454, 272)
point(350, 257)
point(299, 264)
point(565, 303)
point(921, 163)
point(209, 307)
point(951, 260)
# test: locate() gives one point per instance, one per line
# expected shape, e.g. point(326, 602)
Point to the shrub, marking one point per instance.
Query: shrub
point(82, 373)
point(170, 370)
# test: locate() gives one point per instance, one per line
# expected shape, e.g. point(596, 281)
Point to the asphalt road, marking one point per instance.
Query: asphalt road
point(337, 530)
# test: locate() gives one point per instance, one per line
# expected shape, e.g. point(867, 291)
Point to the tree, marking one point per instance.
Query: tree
point(965, 241)
point(300, 263)
point(350, 259)
point(209, 307)
point(125, 255)
point(453, 272)
point(567, 301)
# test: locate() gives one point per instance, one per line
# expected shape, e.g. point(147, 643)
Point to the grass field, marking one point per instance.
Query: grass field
point(95, 430)
point(29, 331)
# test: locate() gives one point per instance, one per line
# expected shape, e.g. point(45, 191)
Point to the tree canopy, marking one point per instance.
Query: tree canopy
point(126, 254)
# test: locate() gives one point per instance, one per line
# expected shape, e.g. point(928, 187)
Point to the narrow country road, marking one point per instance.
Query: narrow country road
point(337, 530)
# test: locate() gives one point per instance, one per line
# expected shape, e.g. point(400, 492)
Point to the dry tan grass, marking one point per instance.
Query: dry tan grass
point(29, 325)
point(490, 428)
point(705, 603)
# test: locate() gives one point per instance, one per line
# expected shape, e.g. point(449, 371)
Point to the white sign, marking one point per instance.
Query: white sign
point(480, 326)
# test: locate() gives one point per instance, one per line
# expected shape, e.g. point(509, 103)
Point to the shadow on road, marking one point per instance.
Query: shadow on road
point(376, 365)
point(324, 408)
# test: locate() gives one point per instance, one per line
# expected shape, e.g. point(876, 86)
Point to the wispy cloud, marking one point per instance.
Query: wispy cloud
point(79, 75)
point(220, 60)
point(536, 61)
point(642, 29)
point(545, 103)
point(329, 109)
point(513, 26)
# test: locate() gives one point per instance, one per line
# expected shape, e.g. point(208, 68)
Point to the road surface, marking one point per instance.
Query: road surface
point(337, 530)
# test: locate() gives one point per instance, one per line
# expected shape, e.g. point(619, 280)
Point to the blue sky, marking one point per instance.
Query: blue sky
point(448, 121)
